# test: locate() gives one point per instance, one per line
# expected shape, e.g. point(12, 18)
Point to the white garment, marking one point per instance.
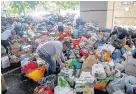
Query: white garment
point(5, 35)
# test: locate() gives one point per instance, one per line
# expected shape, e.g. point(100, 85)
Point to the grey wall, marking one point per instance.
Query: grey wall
point(122, 17)
point(108, 13)
point(94, 11)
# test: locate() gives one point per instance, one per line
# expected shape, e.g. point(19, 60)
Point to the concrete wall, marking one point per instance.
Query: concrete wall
point(97, 11)
point(108, 13)
point(122, 17)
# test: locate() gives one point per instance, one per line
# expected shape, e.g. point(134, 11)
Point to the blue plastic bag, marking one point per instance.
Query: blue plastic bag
point(76, 64)
point(123, 50)
point(116, 56)
point(130, 81)
point(106, 30)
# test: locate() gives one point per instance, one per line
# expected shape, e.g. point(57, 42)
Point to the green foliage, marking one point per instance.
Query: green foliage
point(22, 6)
point(26, 6)
point(67, 4)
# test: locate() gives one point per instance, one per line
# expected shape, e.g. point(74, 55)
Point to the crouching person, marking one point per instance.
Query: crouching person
point(49, 49)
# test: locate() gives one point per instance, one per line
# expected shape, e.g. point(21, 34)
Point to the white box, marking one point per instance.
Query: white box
point(5, 62)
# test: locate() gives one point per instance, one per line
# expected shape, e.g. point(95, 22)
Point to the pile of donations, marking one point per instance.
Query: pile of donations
point(98, 59)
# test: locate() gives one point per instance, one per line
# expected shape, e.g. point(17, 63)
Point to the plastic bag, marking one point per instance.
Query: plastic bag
point(127, 47)
point(116, 56)
point(14, 59)
point(49, 81)
point(76, 64)
point(87, 65)
point(84, 52)
point(106, 56)
point(98, 71)
point(42, 90)
point(118, 92)
point(117, 44)
point(36, 74)
point(130, 65)
point(62, 82)
point(75, 42)
point(62, 90)
point(24, 62)
point(29, 67)
point(108, 48)
point(116, 84)
point(66, 72)
point(130, 82)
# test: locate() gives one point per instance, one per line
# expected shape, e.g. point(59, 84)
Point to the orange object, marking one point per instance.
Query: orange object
point(100, 85)
point(37, 74)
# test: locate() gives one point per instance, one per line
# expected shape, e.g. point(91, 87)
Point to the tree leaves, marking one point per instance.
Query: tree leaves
point(26, 6)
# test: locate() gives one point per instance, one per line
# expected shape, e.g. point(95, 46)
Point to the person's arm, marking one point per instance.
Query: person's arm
point(59, 55)
point(62, 57)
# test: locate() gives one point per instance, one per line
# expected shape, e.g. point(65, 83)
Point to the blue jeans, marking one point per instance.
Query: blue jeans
point(52, 64)
point(68, 52)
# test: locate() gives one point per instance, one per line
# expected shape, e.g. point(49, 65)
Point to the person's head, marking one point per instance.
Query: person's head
point(13, 32)
point(66, 45)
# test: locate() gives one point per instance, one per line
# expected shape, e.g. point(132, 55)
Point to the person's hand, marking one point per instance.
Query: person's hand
point(62, 65)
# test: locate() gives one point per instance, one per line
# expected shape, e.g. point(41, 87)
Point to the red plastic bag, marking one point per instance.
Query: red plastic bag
point(43, 90)
point(83, 52)
point(83, 36)
point(75, 42)
point(66, 34)
point(29, 67)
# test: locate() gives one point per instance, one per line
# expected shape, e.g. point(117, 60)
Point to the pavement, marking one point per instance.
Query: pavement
point(17, 83)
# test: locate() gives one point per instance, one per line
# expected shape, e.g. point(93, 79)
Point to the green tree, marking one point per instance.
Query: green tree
point(67, 4)
point(26, 6)
point(22, 6)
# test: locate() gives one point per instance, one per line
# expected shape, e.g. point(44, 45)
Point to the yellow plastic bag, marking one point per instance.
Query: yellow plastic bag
point(106, 56)
point(37, 74)
point(127, 47)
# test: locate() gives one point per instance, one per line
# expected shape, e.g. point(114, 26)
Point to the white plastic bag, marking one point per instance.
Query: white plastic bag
point(130, 65)
point(108, 47)
point(98, 71)
point(116, 85)
point(5, 62)
point(25, 62)
point(61, 90)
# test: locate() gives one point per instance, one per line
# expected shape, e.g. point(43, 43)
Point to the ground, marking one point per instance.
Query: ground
point(18, 84)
